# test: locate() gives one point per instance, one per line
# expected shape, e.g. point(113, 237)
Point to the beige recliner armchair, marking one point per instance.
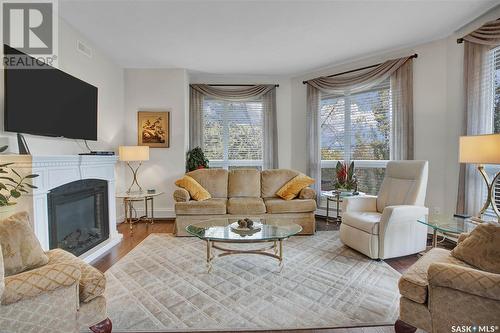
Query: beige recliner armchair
point(385, 226)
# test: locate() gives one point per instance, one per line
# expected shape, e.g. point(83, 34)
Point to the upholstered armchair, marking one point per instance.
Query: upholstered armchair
point(65, 295)
point(385, 226)
point(440, 292)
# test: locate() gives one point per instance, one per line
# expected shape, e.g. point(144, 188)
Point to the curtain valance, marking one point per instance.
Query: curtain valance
point(235, 94)
point(358, 81)
point(487, 34)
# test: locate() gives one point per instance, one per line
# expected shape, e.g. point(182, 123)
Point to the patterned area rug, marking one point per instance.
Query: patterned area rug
point(163, 285)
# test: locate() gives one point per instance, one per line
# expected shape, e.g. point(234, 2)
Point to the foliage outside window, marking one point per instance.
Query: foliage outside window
point(357, 128)
point(233, 133)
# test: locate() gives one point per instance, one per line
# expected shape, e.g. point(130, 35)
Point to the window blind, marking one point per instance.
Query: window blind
point(233, 133)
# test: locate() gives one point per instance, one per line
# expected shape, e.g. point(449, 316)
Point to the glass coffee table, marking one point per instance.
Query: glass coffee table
point(224, 230)
point(447, 224)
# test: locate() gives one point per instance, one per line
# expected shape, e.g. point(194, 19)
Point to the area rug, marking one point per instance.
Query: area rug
point(163, 285)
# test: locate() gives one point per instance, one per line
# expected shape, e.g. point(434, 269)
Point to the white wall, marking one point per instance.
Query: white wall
point(283, 105)
point(98, 71)
point(159, 89)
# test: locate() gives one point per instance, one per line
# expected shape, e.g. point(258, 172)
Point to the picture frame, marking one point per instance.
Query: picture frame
point(153, 129)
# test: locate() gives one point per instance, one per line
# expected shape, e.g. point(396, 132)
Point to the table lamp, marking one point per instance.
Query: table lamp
point(134, 154)
point(480, 150)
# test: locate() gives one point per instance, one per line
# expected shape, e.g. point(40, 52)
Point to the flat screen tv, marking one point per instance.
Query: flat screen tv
point(48, 102)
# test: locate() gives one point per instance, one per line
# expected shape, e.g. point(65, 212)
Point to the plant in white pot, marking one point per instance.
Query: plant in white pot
point(12, 186)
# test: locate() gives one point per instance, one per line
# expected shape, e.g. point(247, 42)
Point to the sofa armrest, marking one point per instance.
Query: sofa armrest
point(307, 193)
point(181, 195)
point(39, 281)
point(462, 237)
point(402, 214)
point(466, 279)
point(365, 203)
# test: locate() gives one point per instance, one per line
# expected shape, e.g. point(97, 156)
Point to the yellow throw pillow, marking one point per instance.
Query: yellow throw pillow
point(196, 191)
point(292, 189)
point(481, 248)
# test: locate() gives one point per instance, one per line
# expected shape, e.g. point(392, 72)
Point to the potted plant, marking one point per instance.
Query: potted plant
point(345, 178)
point(12, 186)
point(196, 159)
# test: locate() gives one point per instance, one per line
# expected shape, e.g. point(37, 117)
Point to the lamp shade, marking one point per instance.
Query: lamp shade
point(480, 149)
point(134, 153)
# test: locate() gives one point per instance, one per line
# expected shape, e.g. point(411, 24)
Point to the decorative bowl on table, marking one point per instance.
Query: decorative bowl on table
point(246, 227)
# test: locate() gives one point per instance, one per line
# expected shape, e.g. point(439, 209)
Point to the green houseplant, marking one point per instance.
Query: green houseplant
point(12, 184)
point(345, 177)
point(195, 159)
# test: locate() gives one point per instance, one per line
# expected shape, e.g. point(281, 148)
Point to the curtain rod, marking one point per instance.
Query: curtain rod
point(358, 69)
point(237, 85)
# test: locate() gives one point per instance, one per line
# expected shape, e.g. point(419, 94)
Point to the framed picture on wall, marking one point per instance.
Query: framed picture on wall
point(153, 129)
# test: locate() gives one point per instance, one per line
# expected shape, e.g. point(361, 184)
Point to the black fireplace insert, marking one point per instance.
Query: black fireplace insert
point(78, 215)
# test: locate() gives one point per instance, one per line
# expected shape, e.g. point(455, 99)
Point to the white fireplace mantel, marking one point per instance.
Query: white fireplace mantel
point(57, 170)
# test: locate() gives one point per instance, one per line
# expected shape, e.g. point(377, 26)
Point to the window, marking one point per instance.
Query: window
point(357, 127)
point(233, 133)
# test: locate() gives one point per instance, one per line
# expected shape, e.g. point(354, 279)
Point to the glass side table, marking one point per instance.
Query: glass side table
point(128, 202)
point(447, 224)
point(336, 197)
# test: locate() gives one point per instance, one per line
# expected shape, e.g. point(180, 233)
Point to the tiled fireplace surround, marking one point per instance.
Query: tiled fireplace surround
point(57, 170)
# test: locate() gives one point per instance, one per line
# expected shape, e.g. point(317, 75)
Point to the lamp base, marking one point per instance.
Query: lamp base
point(134, 181)
point(491, 193)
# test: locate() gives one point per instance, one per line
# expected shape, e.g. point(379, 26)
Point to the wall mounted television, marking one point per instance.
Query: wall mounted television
point(47, 101)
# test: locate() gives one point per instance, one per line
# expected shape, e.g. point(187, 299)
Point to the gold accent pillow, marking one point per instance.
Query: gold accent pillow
point(20, 247)
point(291, 189)
point(196, 191)
point(481, 248)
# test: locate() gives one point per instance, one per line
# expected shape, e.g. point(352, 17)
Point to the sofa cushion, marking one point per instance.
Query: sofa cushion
point(278, 205)
point(481, 248)
point(20, 247)
point(364, 221)
point(213, 206)
point(92, 282)
point(244, 183)
point(414, 284)
point(196, 191)
point(293, 187)
point(274, 179)
point(212, 180)
point(245, 206)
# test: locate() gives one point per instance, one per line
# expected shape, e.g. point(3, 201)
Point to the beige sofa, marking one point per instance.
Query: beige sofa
point(243, 193)
point(440, 292)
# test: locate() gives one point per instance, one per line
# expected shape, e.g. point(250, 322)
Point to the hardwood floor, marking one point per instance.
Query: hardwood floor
point(142, 230)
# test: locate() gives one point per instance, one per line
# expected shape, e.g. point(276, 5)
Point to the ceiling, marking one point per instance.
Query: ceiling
point(261, 37)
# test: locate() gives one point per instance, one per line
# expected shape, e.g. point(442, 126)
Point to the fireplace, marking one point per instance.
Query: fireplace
point(78, 215)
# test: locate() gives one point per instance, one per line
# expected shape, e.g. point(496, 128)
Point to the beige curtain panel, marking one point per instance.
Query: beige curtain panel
point(478, 92)
point(235, 94)
point(358, 81)
point(488, 34)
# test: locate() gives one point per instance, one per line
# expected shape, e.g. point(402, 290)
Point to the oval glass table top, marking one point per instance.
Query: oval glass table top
point(225, 229)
